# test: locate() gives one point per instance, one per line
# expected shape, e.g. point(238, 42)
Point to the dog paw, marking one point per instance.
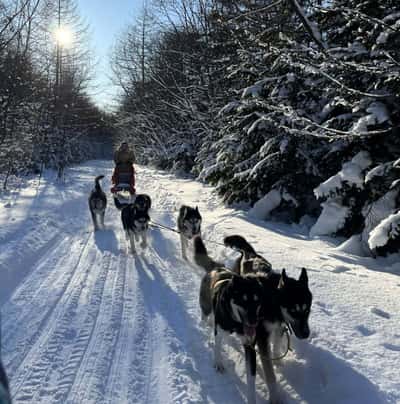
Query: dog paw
point(219, 367)
point(143, 245)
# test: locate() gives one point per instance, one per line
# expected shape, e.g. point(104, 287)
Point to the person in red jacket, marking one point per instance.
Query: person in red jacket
point(124, 172)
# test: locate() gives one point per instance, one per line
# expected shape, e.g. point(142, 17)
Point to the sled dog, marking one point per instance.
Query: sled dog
point(285, 302)
point(189, 225)
point(234, 302)
point(143, 202)
point(249, 261)
point(286, 305)
point(135, 221)
point(97, 204)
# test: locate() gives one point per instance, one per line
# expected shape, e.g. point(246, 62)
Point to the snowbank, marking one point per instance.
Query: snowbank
point(353, 246)
point(266, 205)
point(388, 229)
point(331, 219)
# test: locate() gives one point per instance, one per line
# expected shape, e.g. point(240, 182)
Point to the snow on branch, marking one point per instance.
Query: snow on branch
point(388, 229)
point(290, 112)
point(315, 69)
point(352, 173)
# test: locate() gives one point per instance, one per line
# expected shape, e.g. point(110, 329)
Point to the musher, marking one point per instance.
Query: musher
point(124, 172)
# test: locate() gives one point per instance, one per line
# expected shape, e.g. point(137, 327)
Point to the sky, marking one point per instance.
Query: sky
point(107, 19)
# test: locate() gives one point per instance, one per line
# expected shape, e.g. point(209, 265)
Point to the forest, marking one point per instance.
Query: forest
point(47, 118)
point(287, 107)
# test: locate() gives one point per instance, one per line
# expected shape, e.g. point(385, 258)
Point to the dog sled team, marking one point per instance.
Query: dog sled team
point(251, 300)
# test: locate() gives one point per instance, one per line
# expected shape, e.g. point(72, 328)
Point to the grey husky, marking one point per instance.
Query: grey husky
point(97, 204)
point(189, 225)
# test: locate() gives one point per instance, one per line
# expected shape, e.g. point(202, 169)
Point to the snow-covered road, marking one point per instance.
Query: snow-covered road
point(85, 322)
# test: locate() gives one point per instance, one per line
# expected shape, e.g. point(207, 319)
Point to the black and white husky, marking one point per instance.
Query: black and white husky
point(135, 220)
point(235, 304)
point(189, 225)
point(97, 204)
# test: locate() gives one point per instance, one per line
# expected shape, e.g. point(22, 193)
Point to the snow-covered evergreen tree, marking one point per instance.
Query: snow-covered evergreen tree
point(273, 100)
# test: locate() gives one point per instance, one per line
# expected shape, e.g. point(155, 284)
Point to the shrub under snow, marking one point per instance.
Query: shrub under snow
point(332, 219)
point(385, 238)
point(338, 208)
point(352, 173)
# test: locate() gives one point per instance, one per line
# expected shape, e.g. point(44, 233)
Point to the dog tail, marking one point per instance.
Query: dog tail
point(97, 183)
point(240, 243)
point(201, 256)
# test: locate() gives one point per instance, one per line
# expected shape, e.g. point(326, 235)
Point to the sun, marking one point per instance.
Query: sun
point(63, 36)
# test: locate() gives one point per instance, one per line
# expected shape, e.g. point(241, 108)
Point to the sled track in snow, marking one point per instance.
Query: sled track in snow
point(125, 374)
point(83, 330)
point(32, 290)
point(41, 352)
point(107, 304)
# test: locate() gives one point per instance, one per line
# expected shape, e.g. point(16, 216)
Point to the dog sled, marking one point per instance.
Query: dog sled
point(124, 188)
point(123, 194)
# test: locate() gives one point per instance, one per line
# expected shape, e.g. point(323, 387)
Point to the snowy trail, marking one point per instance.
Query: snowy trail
point(85, 322)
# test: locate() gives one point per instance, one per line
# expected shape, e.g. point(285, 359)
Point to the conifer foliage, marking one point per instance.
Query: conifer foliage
point(291, 105)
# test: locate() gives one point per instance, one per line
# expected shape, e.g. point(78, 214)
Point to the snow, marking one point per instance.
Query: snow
point(85, 322)
point(377, 114)
point(382, 38)
point(388, 229)
point(379, 111)
point(377, 171)
point(378, 211)
point(228, 108)
point(331, 219)
point(259, 124)
point(352, 173)
point(256, 89)
point(353, 246)
point(263, 207)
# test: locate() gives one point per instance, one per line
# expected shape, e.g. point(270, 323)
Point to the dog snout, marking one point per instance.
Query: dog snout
point(306, 331)
point(253, 319)
point(302, 331)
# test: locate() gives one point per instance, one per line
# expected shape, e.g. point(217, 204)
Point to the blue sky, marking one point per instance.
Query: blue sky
point(106, 19)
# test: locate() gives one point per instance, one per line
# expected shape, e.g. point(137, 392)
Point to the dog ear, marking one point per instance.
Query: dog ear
point(283, 279)
point(197, 209)
point(303, 276)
